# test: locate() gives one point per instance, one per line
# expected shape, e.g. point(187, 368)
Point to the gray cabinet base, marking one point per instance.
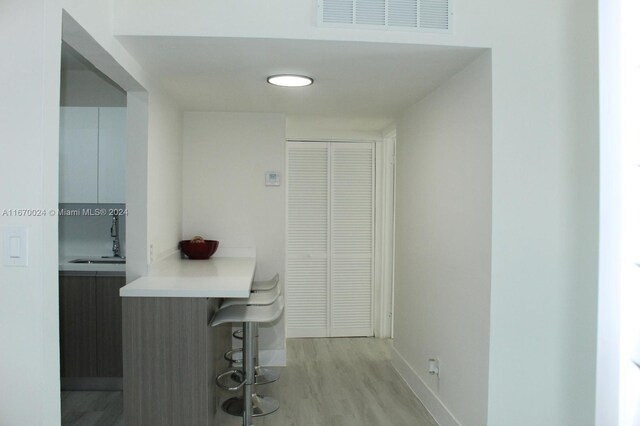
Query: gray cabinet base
point(170, 357)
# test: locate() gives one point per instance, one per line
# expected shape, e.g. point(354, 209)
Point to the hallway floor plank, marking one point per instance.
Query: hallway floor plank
point(340, 381)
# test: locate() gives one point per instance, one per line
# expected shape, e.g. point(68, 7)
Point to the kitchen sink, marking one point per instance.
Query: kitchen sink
point(100, 261)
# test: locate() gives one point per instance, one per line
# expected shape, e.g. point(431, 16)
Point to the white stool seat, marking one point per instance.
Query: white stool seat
point(259, 298)
point(249, 313)
point(258, 286)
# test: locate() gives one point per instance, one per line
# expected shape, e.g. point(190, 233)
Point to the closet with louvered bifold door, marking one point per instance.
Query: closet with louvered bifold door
point(330, 238)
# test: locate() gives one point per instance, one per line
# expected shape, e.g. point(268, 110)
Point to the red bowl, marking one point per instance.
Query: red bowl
point(198, 250)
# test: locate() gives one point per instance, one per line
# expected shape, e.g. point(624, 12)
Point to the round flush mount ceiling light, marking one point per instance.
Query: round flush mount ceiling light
point(290, 80)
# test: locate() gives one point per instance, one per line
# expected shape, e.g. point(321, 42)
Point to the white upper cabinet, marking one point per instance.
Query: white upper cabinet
point(92, 155)
point(78, 155)
point(112, 152)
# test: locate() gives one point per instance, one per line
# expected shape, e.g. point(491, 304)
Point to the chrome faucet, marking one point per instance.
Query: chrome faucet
point(115, 233)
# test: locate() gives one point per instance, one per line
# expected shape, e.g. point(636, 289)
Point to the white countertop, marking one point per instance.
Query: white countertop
point(214, 277)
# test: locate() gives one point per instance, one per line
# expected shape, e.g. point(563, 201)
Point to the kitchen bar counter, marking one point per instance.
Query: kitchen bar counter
point(170, 354)
point(214, 277)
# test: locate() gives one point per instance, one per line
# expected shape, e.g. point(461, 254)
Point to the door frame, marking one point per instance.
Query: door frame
point(384, 227)
point(385, 235)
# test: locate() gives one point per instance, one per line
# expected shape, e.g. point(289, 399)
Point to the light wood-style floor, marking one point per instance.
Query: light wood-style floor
point(340, 381)
point(92, 408)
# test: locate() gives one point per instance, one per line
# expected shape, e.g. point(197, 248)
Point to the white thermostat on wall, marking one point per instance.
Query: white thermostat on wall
point(272, 179)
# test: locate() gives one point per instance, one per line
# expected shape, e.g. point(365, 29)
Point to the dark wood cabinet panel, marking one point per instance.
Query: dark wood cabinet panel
point(90, 327)
point(109, 326)
point(171, 358)
point(77, 326)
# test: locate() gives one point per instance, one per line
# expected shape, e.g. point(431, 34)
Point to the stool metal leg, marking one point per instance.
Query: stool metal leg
point(251, 404)
point(249, 366)
point(264, 375)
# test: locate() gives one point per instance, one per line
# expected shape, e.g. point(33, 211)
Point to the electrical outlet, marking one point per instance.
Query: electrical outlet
point(151, 252)
point(433, 367)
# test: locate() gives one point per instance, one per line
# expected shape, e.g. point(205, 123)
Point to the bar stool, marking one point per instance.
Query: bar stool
point(258, 286)
point(260, 297)
point(252, 404)
point(264, 375)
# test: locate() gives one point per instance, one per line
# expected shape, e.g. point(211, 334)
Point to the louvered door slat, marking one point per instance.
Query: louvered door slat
point(307, 239)
point(352, 190)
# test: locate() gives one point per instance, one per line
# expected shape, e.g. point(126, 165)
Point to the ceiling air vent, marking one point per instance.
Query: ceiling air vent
point(397, 14)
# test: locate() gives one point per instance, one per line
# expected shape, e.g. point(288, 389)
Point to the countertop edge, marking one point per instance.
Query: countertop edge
point(209, 294)
point(65, 266)
point(215, 278)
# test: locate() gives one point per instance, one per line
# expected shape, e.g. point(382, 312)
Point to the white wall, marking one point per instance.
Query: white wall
point(545, 215)
point(629, 355)
point(137, 188)
point(29, 346)
point(164, 177)
point(295, 19)
point(619, 319)
point(29, 349)
point(313, 127)
point(545, 176)
point(443, 241)
point(611, 167)
point(545, 171)
point(224, 196)
point(154, 134)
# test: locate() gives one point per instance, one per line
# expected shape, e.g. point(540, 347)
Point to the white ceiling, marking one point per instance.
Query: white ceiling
point(352, 79)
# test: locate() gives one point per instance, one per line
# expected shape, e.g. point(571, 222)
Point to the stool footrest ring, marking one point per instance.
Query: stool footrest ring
point(228, 373)
point(239, 334)
point(228, 355)
point(263, 376)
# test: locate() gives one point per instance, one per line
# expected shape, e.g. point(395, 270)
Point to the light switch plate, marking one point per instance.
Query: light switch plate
point(15, 246)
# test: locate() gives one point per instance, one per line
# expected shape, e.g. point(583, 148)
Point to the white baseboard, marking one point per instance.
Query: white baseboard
point(429, 399)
